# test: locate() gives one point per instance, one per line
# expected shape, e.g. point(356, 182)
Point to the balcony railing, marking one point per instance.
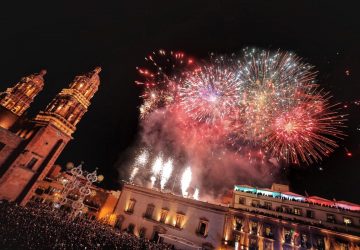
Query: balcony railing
point(300, 219)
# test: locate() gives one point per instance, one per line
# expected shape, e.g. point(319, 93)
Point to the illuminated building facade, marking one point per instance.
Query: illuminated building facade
point(16, 100)
point(100, 204)
point(256, 218)
point(29, 148)
point(279, 219)
point(185, 223)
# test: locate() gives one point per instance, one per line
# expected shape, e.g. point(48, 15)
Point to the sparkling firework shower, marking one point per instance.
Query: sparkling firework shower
point(185, 181)
point(263, 100)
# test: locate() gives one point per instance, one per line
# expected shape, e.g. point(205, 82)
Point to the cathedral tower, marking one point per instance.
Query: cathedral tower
point(69, 106)
point(16, 100)
point(43, 142)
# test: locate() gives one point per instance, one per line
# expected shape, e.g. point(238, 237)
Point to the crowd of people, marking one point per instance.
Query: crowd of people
point(40, 227)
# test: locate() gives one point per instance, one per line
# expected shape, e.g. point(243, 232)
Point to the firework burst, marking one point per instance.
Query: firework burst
point(267, 102)
point(212, 93)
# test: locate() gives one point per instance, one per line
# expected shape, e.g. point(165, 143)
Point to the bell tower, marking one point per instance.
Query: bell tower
point(16, 100)
point(46, 138)
point(69, 106)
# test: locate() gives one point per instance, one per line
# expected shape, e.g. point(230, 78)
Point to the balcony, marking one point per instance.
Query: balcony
point(299, 219)
point(149, 218)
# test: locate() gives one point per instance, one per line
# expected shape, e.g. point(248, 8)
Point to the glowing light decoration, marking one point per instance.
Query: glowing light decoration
point(185, 181)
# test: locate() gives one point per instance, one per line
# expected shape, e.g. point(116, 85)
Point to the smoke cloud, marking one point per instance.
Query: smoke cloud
point(216, 166)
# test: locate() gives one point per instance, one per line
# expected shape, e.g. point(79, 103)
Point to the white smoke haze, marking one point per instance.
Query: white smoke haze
point(214, 168)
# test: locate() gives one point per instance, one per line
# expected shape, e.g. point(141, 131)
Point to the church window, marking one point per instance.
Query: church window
point(31, 163)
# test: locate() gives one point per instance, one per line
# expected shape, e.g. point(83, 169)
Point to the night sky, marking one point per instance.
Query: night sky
point(68, 39)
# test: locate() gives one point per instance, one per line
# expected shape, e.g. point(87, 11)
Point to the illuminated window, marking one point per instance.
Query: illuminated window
point(149, 211)
point(31, 163)
point(297, 211)
point(330, 218)
point(347, 221)
point(268, 231)
point(130, 208)
point(238, 223)
point(268, 205)
point(285, 209)
point(255, 203)
point(253, 243)
point(344, 246)
point(242, 200)
point(203, 228)
point(163, 215)
point(253, 227)
point(288, 233)
point(179, 220)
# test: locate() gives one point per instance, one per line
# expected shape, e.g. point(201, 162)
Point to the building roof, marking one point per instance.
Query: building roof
point(298, 197)
point(178, 198)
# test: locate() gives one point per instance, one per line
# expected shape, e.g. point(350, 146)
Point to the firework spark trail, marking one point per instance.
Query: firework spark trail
point(142, 158)
point(156, 169)
point(196, 194)
point(185, 181)
point(133, 173)
point(140, 162)
point(157, 165)
point(266, 100)
point(166, 172)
